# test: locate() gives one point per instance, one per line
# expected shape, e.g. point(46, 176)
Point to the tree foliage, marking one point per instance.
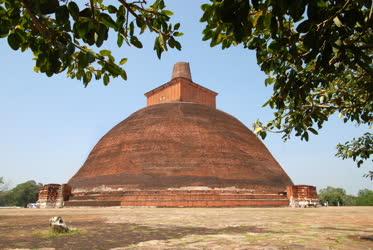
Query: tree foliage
point(64, 36)
point(364, 198)
point(317, 55)
point(359, 150)
point(1, 183)
point(21, 195)
point(335, 196)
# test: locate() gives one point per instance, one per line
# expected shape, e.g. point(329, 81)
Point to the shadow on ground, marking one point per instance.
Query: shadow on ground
point(99, 235)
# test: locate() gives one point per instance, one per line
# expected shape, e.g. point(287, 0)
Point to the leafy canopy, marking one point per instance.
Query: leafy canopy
point(2, 182)
point(66, 37)
point(333, 196)
point(365, 198)
point(337, 196)
point(21, 195)
point(317, 55)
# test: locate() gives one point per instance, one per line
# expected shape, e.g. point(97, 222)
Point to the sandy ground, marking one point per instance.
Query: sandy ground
point(191, 228)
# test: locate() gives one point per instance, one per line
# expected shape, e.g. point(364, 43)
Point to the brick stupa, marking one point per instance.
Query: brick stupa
point(180, 151)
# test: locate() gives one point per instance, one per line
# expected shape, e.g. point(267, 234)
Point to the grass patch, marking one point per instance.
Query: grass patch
point(258, 237)
point(50, 234)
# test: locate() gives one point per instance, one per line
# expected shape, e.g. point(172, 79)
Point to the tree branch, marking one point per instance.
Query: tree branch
point(35, 21)
point(133, 13)
point(92, 8)
point(323, 23)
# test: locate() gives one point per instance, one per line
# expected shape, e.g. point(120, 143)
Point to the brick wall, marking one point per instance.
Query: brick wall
point(302, 196)
point(53, 195)
point(178, 198)
point(184, 90)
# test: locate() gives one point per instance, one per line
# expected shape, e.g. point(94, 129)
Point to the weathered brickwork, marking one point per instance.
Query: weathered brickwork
point(302, 195)
point(53, 195)
point(181, 90)
point(177, 198)
point(175, 145)
point(182, 152)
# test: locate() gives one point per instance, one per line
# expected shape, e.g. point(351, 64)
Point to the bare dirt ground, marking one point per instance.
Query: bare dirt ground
point(191, 228)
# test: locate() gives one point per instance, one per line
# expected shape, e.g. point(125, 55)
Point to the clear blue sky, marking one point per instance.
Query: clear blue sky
point(49, 125)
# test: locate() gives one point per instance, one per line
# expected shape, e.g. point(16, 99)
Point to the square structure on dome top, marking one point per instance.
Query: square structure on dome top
point(181, 88)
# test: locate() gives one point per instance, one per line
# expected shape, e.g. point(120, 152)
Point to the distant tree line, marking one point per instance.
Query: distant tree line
point(21, 195)
point(337, 196)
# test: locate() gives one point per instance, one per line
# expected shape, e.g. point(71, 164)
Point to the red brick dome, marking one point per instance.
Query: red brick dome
point(180, 145)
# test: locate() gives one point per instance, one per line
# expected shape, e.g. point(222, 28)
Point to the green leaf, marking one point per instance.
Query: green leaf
point(177, 26)
point(305, 136)
point(108, 21)
point(83, 60)
point(177, 45)
point(114, 69)
point(304, 26)
point(14, 41)
point(135, 42)
point(48, 7)
point(171, 42)
point(4, 27)
point(123, 61)
point(262, 134)
point(269, 81)
point(123, 75)
point(297, 9)
point(70, 49)
point(106, 79)
point(310, 40)
point(120, 40)
point(82, 29)
point(273, 26)
point(178, 34)
point(267, 20)
point(140, 23)
point(90, 57)
point(121, 12)
point(162, 42)
point(167, 12)
point(74, 10)
point(87, 77)
point(62, 14)
point(87, 12)
point(102, 34)
point(105, 52)
point(112, 9)
point(157, 48)
point(132, 28)
point(313, 131)
point(205, 6)
point(161, 4)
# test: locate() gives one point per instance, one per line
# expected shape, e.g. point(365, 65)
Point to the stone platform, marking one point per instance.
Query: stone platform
point(178, 198)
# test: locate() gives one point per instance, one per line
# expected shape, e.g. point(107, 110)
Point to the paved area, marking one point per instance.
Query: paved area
point(191, 228)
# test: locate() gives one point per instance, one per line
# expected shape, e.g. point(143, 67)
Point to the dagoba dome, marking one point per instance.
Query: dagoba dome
point(174, 145)
point(180, 142)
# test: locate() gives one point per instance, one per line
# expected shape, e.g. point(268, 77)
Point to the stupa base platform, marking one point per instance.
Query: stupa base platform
point(178, 198)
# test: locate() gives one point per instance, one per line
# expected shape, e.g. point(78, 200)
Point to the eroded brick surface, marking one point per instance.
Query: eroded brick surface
point(177, 145)
point(177, 198)
point(180, 151)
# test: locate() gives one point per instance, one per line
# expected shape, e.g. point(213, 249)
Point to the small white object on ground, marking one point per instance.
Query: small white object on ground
point(58, 225)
